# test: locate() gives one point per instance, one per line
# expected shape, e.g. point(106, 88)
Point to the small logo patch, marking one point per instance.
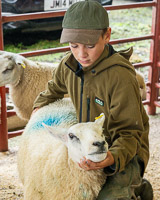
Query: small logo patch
point(99, 101)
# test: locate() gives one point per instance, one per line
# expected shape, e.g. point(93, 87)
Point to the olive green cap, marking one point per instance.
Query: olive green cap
point(85, 16)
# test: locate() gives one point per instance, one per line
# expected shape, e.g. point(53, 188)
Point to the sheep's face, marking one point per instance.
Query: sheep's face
point(83, 140)
point(87, 140)
point(10, 70)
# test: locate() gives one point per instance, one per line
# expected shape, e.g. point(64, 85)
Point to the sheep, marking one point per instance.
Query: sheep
point(15, 123)
point(51, 148)
point(26, 79)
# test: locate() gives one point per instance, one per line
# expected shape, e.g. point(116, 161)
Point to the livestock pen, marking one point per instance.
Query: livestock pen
point(9, 184)
point(153, 84)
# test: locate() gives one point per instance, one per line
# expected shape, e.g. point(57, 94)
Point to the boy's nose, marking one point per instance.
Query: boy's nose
point(82, 53)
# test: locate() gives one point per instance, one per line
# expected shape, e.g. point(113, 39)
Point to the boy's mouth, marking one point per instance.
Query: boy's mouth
point(84, 61)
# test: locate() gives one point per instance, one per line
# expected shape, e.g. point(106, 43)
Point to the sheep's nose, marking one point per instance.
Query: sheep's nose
point(99, 144)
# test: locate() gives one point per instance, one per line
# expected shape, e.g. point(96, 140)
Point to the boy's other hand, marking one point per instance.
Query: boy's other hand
point(89, 165)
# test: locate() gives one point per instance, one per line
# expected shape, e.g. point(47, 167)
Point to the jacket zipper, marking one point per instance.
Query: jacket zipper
point(88, 109)
point(80, 114)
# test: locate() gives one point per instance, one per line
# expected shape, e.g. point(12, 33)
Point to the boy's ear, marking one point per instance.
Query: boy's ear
point(107, 35)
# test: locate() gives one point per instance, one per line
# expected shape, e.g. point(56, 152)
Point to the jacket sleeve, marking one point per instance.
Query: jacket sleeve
point(126, 121)
point(55, 90)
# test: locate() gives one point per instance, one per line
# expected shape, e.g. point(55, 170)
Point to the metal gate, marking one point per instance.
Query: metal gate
point(152, 101)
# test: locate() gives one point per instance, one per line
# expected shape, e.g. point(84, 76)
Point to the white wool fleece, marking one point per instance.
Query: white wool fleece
point(44, 166)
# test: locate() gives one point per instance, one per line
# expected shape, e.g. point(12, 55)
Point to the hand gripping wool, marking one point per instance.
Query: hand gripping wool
point(51, 148)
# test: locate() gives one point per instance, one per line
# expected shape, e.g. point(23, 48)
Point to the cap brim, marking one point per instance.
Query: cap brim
point(83, 36)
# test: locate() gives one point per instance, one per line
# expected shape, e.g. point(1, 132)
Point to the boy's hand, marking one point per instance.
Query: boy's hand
point(89, 165)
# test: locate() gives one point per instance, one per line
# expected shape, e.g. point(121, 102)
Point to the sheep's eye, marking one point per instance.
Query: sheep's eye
point(72, 136)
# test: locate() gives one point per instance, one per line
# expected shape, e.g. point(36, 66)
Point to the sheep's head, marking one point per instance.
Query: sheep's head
point(84, 140)
point(11, 68)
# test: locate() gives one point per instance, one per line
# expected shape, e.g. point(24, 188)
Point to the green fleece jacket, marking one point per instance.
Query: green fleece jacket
point(108, 86)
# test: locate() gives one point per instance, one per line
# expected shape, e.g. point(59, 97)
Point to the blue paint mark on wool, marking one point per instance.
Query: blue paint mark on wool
point(48, 121)
point(52, 120)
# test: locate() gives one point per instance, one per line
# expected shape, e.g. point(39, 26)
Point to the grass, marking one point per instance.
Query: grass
point(132, 23)
point(42, 43)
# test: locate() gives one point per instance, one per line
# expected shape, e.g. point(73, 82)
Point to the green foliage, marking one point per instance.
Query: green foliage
point(41, 44)
point(130, 22)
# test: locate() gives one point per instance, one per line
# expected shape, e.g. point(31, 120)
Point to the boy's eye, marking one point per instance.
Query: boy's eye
point(90, 46)
point(74, 45)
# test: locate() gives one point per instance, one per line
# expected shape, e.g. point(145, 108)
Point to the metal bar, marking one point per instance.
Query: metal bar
point(63, 49)
point(157, 85)
point(142, 64)
point(1, 29)
point(29, 16)
point(157, 103)
point(3, 114)
point(14, 133)
point(134, 39)
point(7, 89)
point(3, 121)
point(148, 83)
point(145, 102)
point(129, 6)
point(154, 57)
point(11, 113)
point(66, 48)
point(40, 15)
point(45, 51)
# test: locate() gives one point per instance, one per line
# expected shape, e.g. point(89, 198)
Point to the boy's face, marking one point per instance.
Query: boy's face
point(86, 55)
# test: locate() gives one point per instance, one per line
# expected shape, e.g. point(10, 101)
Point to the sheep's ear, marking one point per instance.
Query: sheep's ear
point(100, 119)
point(19, 60)
point(57, 132)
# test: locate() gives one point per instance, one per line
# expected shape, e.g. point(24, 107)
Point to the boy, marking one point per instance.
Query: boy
point(99, 79)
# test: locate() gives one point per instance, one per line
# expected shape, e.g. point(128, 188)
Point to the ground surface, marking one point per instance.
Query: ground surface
point(11, 188)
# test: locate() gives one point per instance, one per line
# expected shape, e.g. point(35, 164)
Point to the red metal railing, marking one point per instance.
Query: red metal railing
point(155, 57)
point(3, 113)
point(152, 100)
